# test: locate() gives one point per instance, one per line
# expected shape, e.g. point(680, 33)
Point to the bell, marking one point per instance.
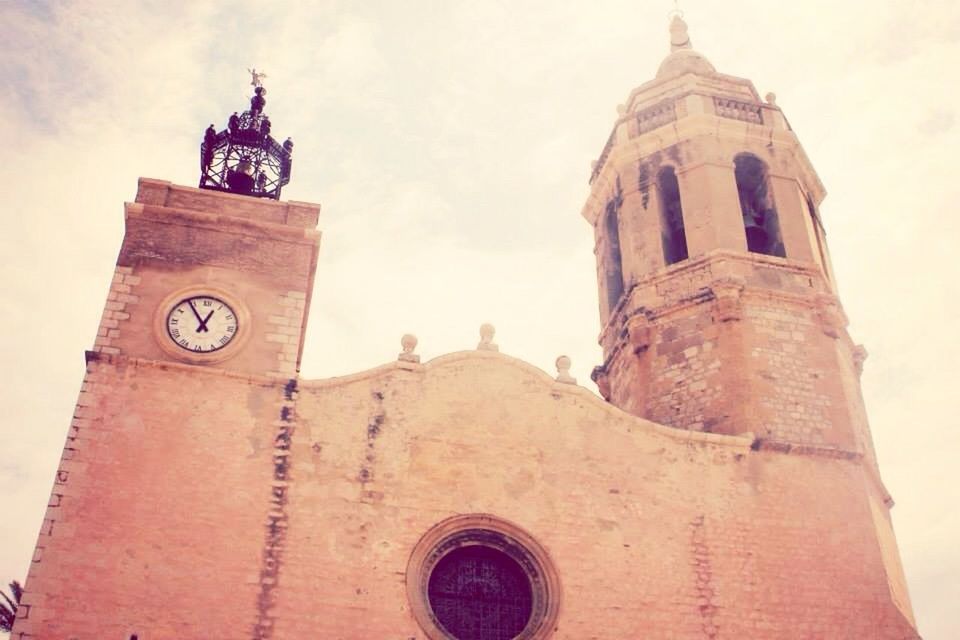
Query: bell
point(240, 179)
point(244, 166)
point(757, 237)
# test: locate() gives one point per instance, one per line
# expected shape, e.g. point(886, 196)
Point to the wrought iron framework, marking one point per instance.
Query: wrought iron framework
point(244, 158)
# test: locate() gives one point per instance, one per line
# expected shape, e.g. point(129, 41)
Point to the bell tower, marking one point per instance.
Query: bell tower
point(717, 301)
point(176, 463)
point(219, 276)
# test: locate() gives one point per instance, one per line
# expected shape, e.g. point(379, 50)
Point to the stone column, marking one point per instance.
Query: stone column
point(640, 225)
point(795, 228)
point(711, 208)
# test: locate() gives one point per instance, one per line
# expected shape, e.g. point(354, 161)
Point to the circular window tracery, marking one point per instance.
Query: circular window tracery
point(480, 593)
point(477, 577)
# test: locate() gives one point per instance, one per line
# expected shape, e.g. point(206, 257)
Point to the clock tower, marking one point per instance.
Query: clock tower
point(218, 276)
point(211, 279)
point(186, 408)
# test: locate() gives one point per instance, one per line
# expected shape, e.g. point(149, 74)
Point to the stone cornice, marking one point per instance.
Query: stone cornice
point(120, 360)
point(630, 302)
point(620, 154)
point(653, 90)
point(291, 213)
point(219, 222)
point(826, 451)
point(804, 449)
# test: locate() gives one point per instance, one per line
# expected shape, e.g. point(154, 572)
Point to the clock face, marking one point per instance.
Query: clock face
point(202, 324)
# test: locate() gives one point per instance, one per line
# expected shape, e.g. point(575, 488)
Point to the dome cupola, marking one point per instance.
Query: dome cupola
point(682, 59)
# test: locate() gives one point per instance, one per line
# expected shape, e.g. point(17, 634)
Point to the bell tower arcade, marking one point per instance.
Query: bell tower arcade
point(717, 301)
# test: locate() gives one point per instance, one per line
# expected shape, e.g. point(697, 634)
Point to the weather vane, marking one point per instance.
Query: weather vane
point(676, 11)
point(256, 77)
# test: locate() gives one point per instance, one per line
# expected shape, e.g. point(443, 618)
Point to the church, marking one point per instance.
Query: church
point(725, 485)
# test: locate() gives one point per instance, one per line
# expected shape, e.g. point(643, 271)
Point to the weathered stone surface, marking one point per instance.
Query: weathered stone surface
point(178, 509)
point(728, 489)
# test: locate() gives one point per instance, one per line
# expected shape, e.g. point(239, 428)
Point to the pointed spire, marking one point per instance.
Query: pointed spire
point(679, 38)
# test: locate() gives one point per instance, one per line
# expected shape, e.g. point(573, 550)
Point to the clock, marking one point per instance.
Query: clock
point(202, 324)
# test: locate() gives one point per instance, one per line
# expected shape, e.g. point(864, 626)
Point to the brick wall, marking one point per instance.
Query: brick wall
point(116, 311)
point(192, 503)
point(734, 343)
point(285, 328)
point(157, 514)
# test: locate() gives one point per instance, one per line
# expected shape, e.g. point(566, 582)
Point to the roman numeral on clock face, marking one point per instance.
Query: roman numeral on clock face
point(202, 324)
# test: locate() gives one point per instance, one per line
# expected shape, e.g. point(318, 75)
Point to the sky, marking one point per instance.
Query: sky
point(450, 145)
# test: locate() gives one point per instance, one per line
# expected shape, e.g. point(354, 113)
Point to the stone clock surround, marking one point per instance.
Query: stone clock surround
point(237, 305)
point(258, 256)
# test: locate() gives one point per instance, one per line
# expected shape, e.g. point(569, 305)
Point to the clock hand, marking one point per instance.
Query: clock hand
point(203, 323)
point(202, 326)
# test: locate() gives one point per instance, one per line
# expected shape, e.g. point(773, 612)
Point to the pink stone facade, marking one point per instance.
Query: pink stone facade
point(729, 343)
point(168, 520)
point(725, 486)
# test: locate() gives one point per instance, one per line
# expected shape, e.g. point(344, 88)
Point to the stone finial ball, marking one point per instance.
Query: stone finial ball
point(487, 331)
point(563, 363)
point(408, 342)
point(771, 98)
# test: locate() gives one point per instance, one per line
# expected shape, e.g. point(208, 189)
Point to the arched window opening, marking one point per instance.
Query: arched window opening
point(672, 231)
point(760, 220)
point(613, 263)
